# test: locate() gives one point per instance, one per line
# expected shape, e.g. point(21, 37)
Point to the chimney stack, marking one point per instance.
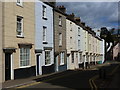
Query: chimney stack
point(77, 19)
point(72, 16)
point(62, 8)
point(90, 29)
point(83, 23)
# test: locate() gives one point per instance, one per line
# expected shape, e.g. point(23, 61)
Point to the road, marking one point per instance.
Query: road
point(71, 79)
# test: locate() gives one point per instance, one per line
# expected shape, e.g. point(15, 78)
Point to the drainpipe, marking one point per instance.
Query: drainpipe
point(3, 55)
point(1, 46)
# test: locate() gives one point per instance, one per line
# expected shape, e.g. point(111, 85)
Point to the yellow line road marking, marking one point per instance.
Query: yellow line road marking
point(91, 80)
point(92, 83)
point(35, 83)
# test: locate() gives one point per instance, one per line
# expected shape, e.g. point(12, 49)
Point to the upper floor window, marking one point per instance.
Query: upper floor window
point(20, 2)
point(60, 20)
point(19, 26)
point(78, 43)
point(70, 40)
point(60, 39)
point(78, 31)
point(70, 26)
point(24, 57)
point(72, 57)
point(44, 33)
point(44, 12)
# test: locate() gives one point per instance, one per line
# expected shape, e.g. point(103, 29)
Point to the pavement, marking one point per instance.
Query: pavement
point(20, 82)
point(115, 82)
point(25, 81)
point(111, 79)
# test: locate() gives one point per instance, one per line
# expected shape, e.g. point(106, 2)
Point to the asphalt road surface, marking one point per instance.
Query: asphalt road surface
point(71, 79)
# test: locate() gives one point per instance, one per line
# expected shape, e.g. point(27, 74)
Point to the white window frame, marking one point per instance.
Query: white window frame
point(29, 58)
point(50, 58)
point(20, 3)
point(62, 58)
point(21, 35)
point(44, 34)
point(60, 20)
point(60, 39)
point(44, 11)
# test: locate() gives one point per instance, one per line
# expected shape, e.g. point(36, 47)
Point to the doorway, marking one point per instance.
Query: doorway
point(7, 66)
point(67, 62)
point(56, 63)
point(38, 67)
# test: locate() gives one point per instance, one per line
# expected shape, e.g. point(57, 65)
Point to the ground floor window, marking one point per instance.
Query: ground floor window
point(24, 57)
point(83, 58)
point(80, 57)
point(90, 58)
point(62, 56)
point(77, 57)
point(47, 57)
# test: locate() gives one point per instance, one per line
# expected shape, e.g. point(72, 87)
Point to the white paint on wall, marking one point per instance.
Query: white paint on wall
point(48, 23)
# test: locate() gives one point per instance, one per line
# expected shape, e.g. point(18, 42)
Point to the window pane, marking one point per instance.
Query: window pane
point(44, 11)
point(44, 33)
point(24, 56)
point(19, 25)
point(60, 20)
point(47, 57)
point(60, 39)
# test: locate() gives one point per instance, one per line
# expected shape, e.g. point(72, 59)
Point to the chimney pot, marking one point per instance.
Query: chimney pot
point(77, 19)
point(62, 8)
point(83, 23)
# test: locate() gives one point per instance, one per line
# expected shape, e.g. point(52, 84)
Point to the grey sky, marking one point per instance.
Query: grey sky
point(94, 14)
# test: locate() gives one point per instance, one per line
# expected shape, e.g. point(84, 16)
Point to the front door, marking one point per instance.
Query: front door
point(67, 62)
point(7, 66)
point(39, 70)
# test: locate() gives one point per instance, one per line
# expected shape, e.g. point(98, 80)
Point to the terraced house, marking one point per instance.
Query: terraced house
point(78, 41)
point(60, 38)
point(72, 42)
point(89, 47)
point(44, 45)
point(18, 40)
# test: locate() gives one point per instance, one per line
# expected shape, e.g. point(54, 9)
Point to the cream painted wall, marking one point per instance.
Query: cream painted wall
point(11, 10)
point(70, 45)
point(84, 41)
